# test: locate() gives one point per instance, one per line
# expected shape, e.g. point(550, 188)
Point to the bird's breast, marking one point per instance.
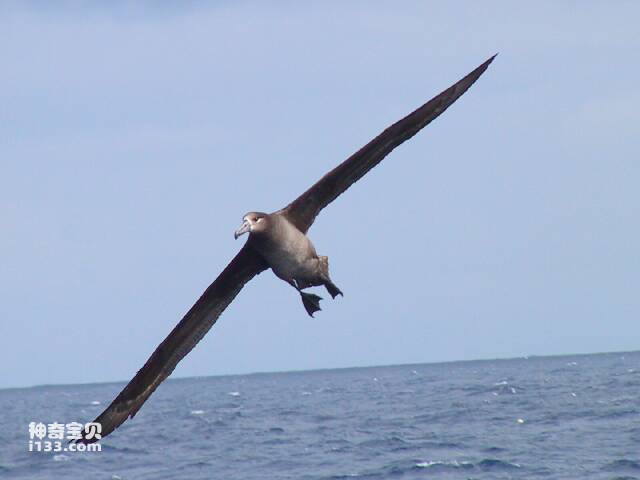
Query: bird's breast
point(289, 252)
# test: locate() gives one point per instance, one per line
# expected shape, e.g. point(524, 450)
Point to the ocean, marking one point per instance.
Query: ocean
point(566, 417)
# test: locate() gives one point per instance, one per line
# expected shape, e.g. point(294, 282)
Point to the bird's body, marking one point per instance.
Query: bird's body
point(290, 254)
point(287, 250)
point(278, 240)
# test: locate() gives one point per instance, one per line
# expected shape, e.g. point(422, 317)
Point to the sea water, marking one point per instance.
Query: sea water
point(570, 417)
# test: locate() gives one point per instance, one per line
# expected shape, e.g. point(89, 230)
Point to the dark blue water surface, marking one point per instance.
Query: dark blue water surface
point(555, 417)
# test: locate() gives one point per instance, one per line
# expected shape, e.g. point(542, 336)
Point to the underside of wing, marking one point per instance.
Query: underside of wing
point(195, 324)
point(303, 210)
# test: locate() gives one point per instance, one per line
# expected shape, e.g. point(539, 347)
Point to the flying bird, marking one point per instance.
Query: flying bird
point(278, 241)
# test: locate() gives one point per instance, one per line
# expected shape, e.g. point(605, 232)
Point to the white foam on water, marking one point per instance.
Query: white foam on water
point(95, 402)
point(197, 412)
point(451, 463)
point(234, 394)
point(61, 458)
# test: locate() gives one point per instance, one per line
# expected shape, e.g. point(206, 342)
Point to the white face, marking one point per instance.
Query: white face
point(252, 218)
point(253, 222)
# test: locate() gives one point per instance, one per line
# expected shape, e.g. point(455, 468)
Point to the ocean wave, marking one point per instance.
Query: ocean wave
point(484, 464)
point(445, 464)
point(617, 413)
point(403, 467)
point(495, 464)
point(494, 449)
point(392, 443)
point(623, 464)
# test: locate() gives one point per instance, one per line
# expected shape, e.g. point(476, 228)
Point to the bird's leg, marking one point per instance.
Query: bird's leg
point(332, 289)
point(311, 301)
point(323, 270)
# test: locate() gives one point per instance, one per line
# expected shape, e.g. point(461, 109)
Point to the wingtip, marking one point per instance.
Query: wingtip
point(471, 77)
point(488, 61)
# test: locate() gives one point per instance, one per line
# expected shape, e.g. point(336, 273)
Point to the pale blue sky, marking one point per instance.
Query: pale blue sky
point(133, 140)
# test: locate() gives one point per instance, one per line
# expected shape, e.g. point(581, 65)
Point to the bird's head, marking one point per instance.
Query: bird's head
point(253, 222)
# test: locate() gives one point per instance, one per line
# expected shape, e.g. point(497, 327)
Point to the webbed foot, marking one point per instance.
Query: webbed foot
point(311, 302)
point(332, 289)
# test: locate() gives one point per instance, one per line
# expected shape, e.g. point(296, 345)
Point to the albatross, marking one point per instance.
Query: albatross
point(278, 241)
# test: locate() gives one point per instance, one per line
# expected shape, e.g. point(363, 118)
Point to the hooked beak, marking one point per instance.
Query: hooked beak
point(246, 227)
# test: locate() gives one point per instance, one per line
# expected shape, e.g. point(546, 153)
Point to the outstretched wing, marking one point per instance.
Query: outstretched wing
point(195, 324)
point(304, 209)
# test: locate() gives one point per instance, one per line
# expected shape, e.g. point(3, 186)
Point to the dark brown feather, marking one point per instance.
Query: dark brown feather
point(195, 324)
point(304, 209)
point(247, 263)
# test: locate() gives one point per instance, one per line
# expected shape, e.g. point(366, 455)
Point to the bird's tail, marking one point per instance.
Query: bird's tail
point(324, 266)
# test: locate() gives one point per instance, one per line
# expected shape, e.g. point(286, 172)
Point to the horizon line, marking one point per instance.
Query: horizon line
point(321, 369)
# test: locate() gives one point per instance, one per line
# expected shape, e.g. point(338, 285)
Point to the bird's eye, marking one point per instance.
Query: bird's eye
point(258, 219)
